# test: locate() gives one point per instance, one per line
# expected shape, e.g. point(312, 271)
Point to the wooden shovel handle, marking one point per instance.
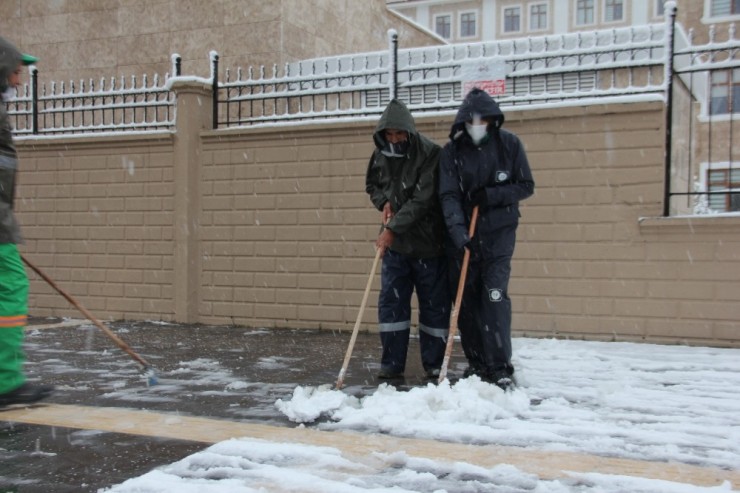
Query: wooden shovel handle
point(458, 300)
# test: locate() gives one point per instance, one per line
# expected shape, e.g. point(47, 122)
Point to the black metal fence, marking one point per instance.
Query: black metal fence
point(113, 105)
point(543, 70)
point(576, 68)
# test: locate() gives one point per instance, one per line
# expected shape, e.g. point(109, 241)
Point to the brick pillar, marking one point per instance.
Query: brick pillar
point(193, 116)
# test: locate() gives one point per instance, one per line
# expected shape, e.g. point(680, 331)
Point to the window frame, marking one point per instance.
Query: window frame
point(729, 99)
point(530, 6)
point(450, 16)
point(709, 16)
point(503, 19)
point(576, 12)
point(730, 182)
point(460, 15)
point(605, 10)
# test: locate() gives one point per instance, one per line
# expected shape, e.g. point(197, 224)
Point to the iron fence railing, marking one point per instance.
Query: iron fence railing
point(92, 107)
point(614, 62)
point(308, 90)
point(543, 70)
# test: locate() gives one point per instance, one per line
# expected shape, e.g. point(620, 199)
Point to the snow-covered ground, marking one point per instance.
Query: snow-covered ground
point(672, 404)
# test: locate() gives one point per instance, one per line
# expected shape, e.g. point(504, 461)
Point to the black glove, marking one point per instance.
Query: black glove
point(463, 242)
point(479, 198)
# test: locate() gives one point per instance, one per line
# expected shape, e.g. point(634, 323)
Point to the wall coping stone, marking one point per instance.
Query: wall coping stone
point(98, 140)
point(710, 223)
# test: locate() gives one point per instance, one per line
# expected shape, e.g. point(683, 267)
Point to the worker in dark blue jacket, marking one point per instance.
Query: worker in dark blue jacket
point(483, 165)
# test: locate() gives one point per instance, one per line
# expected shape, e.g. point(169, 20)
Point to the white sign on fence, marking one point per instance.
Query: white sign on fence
point(488, 74)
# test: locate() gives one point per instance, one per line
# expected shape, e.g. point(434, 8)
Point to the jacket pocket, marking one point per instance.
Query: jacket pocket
point(500, 218)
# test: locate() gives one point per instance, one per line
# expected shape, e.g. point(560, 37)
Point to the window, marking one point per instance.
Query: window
point(613, 10)
point(443, 26)
point(659, 8)
point(725, 7)
point(724, 180)
point(725, 92)
point(538, 17)
point(584, 12)
point(467, 25)
point(512, 19)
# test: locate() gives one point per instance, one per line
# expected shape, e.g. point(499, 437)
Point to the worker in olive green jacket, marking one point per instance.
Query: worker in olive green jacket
point(402, 183)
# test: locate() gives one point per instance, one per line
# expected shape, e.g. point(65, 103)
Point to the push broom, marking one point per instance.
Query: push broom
point(348, 355)
point(458, 300)
point(149, 373)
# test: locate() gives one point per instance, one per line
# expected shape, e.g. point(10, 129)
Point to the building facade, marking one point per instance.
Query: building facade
point(465, 21)
point(88, 39)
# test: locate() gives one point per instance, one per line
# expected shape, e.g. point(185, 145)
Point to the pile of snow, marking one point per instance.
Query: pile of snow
point(645, 402)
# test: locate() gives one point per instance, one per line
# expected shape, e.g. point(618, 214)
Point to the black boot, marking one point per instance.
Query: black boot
point(389, 374)
point(26, 394)
point(500, 377)
point(472, 370)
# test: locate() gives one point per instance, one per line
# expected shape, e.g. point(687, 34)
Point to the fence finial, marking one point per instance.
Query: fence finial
point(176, 64)
point(393, 65)
point(213, 59)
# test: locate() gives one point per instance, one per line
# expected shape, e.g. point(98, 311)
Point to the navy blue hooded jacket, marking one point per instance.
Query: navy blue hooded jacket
point(498, 165)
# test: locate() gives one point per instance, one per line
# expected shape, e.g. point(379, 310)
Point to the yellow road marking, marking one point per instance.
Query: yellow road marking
point(546, 465)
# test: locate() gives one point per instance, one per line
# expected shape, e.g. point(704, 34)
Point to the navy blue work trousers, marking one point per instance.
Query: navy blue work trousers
point(484, 319)
point(400, 276)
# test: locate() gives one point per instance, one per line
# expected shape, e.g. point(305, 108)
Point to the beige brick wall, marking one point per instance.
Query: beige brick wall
point(97, 217)
point(283, 232)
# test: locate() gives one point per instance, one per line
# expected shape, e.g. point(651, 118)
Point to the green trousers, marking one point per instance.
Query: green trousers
point(13, 313)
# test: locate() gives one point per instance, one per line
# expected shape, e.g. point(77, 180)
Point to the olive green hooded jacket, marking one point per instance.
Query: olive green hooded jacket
point(10, 232)
point(409, 183)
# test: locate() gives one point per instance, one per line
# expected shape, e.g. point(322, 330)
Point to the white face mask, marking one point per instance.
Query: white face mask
point(10, 93)
point(477, 132)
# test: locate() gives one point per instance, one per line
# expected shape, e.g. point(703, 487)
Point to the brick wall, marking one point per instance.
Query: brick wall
point(97, 217)
point(272, 228)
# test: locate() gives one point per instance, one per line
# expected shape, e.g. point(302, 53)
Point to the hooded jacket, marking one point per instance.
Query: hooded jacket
point(10, 232)
point(497, 165)
point(409, 182)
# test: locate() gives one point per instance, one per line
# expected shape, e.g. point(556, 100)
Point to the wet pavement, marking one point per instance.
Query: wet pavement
point(232, 373)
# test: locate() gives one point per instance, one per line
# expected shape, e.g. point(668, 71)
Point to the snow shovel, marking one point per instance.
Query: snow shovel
point(458, 299)
point(340, 378)
point(149, 372)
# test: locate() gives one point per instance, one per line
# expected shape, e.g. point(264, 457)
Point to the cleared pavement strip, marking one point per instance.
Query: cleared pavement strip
point(544, 464)
point(58, 325)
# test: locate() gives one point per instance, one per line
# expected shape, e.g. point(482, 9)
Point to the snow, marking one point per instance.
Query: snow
point(643, 402)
